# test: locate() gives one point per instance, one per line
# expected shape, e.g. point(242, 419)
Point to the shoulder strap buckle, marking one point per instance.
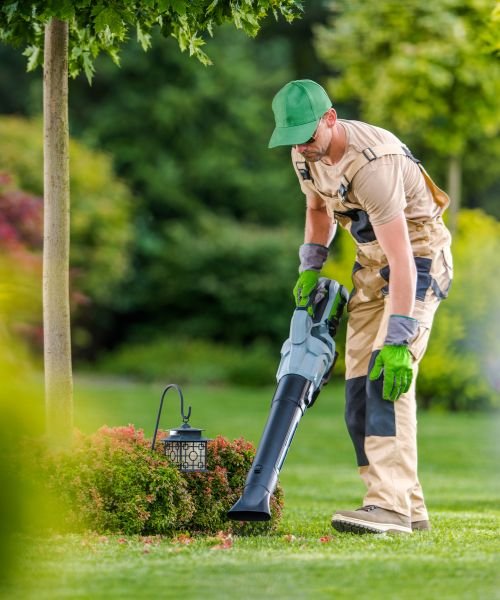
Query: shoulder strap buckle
point(369, 154)
point(343, 189)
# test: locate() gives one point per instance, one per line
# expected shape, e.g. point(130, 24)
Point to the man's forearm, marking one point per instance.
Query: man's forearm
point(402, 287)
point(395, 242)
point(319, 227)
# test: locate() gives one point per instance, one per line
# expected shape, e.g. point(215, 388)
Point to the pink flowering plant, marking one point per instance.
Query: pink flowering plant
point(215, 491)
point(112, 482)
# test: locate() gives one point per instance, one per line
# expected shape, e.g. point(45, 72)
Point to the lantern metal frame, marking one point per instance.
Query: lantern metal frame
point(184, 446)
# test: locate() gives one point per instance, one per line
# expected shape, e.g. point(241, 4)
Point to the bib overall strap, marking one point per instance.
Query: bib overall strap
point(366, 156)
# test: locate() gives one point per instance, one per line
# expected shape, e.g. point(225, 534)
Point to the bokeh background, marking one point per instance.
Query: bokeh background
point(185, 227)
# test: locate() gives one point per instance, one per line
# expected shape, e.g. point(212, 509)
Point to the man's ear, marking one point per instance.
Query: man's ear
point(330, 117)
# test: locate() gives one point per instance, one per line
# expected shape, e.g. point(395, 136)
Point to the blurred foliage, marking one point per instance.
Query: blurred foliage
point(101, 228)
point(21, 264)
point(21, 407)
point(21, 217)
point(195, 145)
point(461, 369)
point(432, 77)
point(189, 149)
point(192, 360)
point(104, 25)
point(218, 279)
point(195, 139)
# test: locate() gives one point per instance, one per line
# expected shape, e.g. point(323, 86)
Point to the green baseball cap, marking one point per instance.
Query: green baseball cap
point(298, 108)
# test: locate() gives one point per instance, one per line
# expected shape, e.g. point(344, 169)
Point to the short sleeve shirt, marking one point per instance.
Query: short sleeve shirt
point(383, 188)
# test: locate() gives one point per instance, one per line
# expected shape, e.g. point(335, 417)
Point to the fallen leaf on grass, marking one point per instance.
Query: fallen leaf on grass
point(154, 540)
point(289, 538)
point(325, 539)
point(184, 539)
point(226, 541)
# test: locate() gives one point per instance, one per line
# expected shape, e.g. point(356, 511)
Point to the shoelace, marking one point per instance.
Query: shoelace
point(368, 508)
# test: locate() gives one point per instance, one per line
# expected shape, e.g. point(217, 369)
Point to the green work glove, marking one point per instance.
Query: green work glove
point(305, 286)
point(312, 258)
point(395, 359)
point(396, 363)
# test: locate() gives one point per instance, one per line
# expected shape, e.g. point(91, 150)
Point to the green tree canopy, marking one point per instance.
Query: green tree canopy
point(429, 71)
point(102, 25)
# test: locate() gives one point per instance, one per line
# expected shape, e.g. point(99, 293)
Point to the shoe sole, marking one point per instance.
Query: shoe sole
point(420, 527)
point(352, 525)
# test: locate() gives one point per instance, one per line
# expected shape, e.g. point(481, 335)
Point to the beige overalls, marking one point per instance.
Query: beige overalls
point(377, 178)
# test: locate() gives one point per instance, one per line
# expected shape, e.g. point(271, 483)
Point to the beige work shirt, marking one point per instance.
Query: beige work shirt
point(382, 188)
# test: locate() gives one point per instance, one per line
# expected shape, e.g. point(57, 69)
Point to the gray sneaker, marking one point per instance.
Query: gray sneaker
point(371, 519)
point(420, 526)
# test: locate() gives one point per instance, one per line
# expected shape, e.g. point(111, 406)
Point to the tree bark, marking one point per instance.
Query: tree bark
point(56, 309)
point(454, 190)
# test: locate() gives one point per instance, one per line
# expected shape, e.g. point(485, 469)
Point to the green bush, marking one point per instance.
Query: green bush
point(216, 278)
point(112, 482)
point(194, 361)
point(215, 492)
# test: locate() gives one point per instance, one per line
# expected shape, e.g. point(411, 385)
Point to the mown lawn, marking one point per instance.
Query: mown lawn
point(306, 559)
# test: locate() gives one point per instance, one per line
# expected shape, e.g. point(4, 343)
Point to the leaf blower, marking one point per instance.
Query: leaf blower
point(307, 360)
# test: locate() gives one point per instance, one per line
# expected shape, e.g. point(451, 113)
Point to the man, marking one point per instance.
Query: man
point(363, 178)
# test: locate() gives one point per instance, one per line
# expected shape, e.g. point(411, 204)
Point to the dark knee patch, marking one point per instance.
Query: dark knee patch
point(355, 416)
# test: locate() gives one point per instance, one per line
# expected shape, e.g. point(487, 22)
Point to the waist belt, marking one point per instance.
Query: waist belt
point(370, 154)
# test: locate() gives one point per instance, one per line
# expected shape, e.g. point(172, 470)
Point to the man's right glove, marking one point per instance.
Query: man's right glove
point(312, 258)
point(305, 286)
point(395, 359)
point(395, 362)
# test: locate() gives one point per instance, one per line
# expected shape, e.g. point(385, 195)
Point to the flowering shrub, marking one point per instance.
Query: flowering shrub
point(215, 491)
point(112, 482)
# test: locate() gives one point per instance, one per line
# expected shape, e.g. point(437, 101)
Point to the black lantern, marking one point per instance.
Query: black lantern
point(184, 446)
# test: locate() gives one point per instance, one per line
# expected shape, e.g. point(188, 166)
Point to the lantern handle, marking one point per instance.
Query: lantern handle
point(185, 418)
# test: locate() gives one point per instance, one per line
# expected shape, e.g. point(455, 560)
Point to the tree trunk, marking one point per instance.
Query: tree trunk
point(56, 311)
point(454, 190)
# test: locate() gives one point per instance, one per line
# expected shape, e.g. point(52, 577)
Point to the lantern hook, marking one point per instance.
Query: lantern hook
point(185, 418)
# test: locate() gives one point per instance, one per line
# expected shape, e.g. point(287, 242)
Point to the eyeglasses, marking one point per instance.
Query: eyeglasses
point(313, 137)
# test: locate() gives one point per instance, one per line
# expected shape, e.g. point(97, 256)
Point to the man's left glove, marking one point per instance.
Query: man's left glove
point(395, 359)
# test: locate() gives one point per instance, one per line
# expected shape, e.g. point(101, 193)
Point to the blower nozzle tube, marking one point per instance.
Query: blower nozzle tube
point(287, 407)
point(307, 360)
